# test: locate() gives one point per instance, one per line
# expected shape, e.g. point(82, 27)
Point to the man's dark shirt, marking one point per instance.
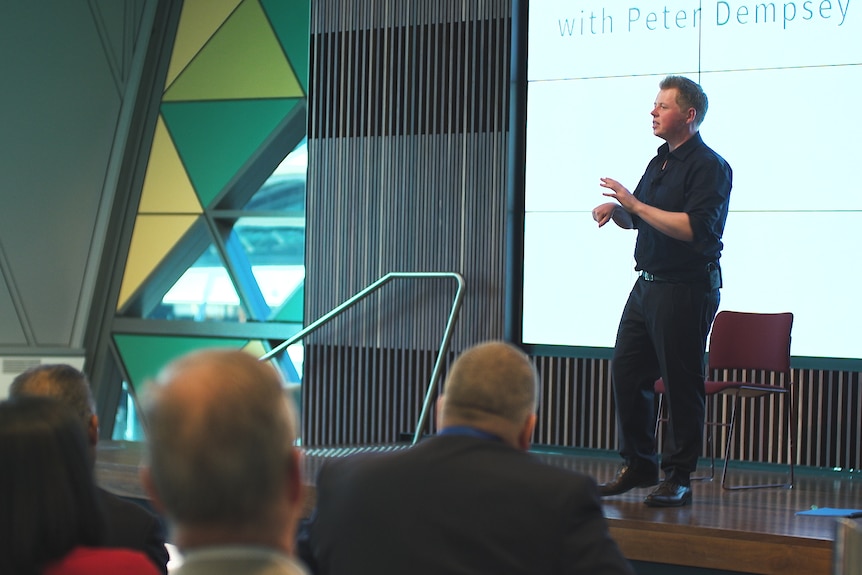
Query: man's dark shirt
point(697, 181)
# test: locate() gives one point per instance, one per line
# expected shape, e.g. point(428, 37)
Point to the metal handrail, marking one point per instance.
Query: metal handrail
point(444, 344)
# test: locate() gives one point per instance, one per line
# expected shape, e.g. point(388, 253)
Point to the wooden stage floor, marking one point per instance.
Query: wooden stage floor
point(753, 531)
point(749, 531)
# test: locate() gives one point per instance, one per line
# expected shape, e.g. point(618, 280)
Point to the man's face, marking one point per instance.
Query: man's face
point(669, 121)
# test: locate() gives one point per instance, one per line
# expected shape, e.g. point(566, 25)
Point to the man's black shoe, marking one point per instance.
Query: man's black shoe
point(669, 494)
point(628, 477)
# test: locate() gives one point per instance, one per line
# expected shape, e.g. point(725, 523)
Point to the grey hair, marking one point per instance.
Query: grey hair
point(59, 381)
point(221, 432)
point(492, 378)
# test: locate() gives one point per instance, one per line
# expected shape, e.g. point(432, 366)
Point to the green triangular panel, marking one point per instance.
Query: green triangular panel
point(145, 355)
point(244, 59)
point(215, 139)
point(290, 19)
point(292, 309)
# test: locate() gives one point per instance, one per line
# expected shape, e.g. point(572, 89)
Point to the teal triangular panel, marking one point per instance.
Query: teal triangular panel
point(145, 355)
point(214, 139)
point(290, 20)
point(292, 309)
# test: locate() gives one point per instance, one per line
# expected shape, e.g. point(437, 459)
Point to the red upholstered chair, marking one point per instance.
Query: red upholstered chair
point(749, 357)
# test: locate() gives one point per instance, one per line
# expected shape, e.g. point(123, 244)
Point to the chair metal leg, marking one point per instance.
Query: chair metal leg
point(710, 442)
point(791, 430)
point(710, 447)
point(727, 447)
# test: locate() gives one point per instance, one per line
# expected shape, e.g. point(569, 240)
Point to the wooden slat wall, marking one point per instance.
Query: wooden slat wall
point(407, 172)
point(830, 423)
point(577, 411)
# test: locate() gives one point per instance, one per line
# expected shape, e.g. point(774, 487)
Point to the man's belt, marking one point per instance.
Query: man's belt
point(652, 277)
point(711, 277)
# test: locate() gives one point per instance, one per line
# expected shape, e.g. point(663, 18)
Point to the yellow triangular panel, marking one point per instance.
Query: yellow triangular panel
point(198, 21)
point(243, 60)
point(167, 189)
point(255, 348)
point(152, 239)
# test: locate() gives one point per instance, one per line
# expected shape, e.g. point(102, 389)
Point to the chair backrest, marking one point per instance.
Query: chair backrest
point(758, 341)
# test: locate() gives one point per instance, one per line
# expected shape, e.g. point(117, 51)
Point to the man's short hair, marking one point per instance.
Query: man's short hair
point(492, 378)
point(689, 95)
point(221, 434)
point(60, 381)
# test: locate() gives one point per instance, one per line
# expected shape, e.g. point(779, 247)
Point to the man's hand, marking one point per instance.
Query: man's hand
point(619, 193)
point(603, 213)
point(674, 224)
point(619, 213)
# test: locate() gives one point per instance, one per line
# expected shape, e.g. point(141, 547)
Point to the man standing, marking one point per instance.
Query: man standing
point(468, 500)
point(223, 465)
point(679, 209)
point(128, 525)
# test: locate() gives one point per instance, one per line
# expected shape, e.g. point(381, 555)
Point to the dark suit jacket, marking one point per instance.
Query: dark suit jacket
point(457, 504)
point(131, 526)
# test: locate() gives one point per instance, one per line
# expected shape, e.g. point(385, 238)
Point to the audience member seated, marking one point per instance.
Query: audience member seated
point(223, 466)
point(51, 522)
point(128, 524)
point(470, 499)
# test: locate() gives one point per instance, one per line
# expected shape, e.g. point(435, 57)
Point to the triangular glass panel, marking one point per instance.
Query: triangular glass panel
point(284, 190)
point(215, 139)
point(290, 22)
point(204, 292)
point(243, 60)
point(127, 422)
point(272, 232)
point(145, 355)
point(275, 248)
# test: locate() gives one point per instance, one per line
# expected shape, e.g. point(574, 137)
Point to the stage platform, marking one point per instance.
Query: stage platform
point(749, 531)
point(753, 531)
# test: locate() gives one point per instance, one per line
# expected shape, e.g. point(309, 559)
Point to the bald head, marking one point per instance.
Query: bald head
point(492, 386)
point(221, 432)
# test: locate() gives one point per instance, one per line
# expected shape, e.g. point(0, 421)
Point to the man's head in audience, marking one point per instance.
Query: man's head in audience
point(493, 387)
point(222, 462)
point(67, 384)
